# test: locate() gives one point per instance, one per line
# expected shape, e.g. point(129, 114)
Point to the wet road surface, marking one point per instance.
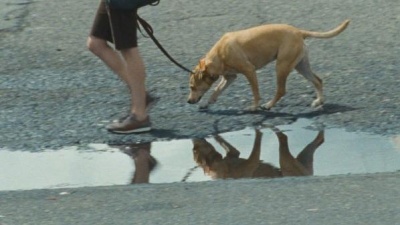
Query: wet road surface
point(299, 149)
point(55, 94)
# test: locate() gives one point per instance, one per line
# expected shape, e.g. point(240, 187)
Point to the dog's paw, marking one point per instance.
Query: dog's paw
point(264, 107)
point(319, 108)
point(317, 103)
point(203, 108)
point(252, 108)
point(275, 130)
point(268, 105)
point(258, 132)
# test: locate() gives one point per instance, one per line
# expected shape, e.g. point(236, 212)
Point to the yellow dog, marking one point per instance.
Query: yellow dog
point(245, 51)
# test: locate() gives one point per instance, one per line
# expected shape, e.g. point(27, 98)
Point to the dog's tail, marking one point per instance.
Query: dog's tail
point(328, 34)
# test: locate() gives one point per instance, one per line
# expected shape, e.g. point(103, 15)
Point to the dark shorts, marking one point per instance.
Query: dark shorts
point(124, 27)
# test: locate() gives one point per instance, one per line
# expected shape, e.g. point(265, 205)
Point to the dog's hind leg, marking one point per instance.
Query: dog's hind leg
point(306, 156)
point(288, 57)
point(304, 68)
point(289, 165)
point(283, 70)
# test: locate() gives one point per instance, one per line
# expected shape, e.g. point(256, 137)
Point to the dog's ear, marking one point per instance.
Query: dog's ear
point(202, 65)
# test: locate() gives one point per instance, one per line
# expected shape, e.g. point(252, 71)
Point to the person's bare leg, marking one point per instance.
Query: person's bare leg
point(109, 56)
point(142, 167)
point(136, 77)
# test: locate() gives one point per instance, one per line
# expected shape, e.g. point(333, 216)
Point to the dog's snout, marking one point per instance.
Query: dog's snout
point(193, 101)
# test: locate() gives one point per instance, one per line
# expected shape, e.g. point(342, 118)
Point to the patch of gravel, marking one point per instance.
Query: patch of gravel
point(54, 93)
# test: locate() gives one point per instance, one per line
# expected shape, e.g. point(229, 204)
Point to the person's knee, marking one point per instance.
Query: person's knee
point(131, 55)
point(130, 52)
point(95, 45)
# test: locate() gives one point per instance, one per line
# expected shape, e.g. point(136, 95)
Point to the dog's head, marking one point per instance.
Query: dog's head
point(205, 155)
point(200, 81)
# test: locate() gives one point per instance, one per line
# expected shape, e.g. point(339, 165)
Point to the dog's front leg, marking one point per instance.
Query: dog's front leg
point(252, 78)
point(225, 82)
point(231, 152)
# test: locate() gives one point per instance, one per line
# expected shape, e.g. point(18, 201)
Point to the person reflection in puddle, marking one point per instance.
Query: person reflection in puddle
point(232, 166)
point(144, 162)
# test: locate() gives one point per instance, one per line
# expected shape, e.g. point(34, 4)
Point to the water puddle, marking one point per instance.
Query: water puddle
point(299, 149)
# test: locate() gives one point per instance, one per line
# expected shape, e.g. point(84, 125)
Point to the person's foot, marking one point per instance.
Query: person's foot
point(130, 125)
point(134, 150)
point(150, 102)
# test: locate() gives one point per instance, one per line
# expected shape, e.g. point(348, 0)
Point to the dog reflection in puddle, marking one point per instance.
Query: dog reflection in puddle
point(232, 166)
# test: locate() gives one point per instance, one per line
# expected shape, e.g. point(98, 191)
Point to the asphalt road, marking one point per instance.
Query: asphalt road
point(54, 93)
point(363, 200)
